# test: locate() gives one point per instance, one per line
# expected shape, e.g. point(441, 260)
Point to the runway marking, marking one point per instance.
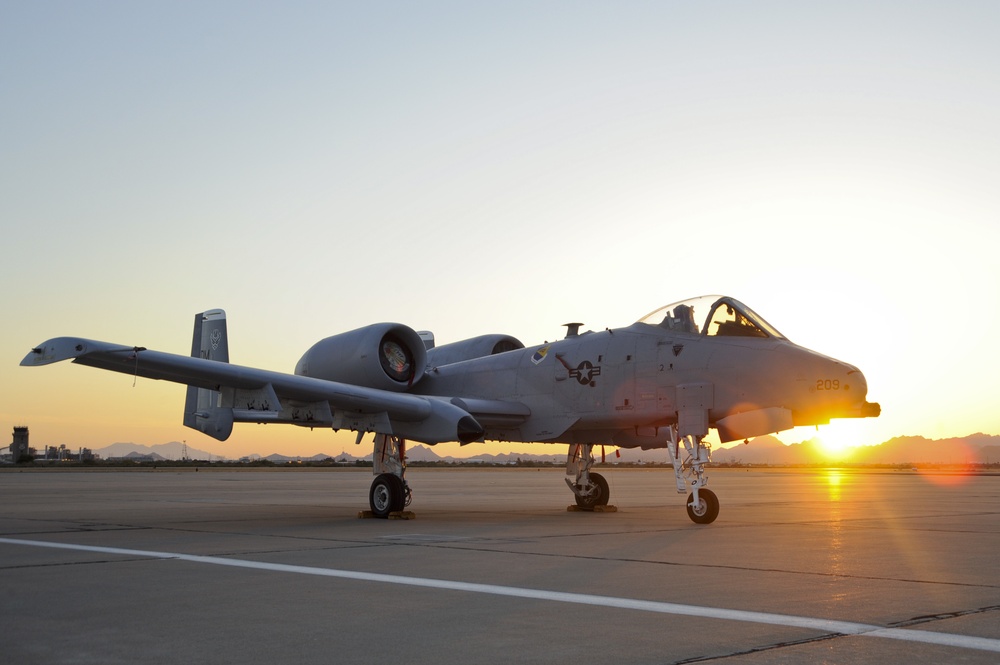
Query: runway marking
point(823, 625)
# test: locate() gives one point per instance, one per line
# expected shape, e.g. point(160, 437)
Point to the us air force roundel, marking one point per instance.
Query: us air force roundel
point(585, 373)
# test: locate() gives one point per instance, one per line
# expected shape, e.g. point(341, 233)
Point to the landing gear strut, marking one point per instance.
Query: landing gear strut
point(590, 489)
point(389, 492)
point(702, 504)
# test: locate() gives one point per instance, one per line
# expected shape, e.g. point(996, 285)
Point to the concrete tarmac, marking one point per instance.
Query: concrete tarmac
point(268, 566)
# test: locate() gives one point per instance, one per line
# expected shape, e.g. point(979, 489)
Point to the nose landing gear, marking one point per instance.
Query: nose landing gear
point(702, 503)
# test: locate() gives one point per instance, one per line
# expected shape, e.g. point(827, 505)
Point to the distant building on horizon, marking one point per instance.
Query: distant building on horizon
point(64, 454)
point(19, 446)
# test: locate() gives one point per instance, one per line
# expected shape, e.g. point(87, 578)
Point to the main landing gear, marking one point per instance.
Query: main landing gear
point(702, 504)
point(389, 492)
point(590, 489)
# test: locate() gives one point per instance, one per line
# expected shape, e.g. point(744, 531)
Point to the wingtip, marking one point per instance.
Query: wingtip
point(32, 357)
point(57, 349)
point(53, 351)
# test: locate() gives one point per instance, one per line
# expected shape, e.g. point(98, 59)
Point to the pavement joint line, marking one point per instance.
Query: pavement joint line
point(747, 616)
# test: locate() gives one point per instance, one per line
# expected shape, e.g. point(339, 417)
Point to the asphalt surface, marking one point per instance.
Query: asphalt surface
point(270, 566)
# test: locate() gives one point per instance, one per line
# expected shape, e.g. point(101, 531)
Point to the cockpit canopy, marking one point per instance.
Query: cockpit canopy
point(720, 316)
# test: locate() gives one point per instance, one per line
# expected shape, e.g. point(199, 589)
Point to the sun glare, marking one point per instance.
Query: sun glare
point(836, 443)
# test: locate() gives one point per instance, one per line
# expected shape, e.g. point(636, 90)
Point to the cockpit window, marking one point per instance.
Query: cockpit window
point(676, 317)
point(759, 322)
point(726, 321)
point(719, 316)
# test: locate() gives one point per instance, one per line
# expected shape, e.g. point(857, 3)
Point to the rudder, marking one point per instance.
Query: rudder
point(202, 410)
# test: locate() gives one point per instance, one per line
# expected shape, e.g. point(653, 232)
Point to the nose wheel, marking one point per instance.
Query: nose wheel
point(702, 504)
point(705, 508)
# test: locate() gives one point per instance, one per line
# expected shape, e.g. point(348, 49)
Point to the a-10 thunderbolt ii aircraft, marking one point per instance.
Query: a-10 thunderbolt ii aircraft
point(662, 382)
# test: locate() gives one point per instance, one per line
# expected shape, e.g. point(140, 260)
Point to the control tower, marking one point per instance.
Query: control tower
point(19, 447)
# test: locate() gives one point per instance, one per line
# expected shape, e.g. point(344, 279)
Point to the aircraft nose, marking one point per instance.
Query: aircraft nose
point(859, 384)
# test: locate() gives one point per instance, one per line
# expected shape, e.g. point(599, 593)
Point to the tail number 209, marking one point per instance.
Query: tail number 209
point(827, 384)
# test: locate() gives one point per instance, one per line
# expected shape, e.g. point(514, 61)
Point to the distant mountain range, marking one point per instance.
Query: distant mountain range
point(162, 451)
point(975, 449)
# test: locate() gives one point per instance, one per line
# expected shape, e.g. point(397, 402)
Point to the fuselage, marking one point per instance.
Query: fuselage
point(625, 386)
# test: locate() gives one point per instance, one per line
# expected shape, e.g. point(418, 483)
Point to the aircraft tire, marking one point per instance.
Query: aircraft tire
point(708, 508)
point(386, 495)
point(600, 497)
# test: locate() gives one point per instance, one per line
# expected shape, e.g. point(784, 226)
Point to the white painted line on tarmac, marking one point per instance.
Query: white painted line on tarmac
point(822, 625)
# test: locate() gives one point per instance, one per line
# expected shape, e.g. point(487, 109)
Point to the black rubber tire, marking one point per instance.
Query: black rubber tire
point(708, 508)
point(598, 498)
point(402, 496)
point(386, 495)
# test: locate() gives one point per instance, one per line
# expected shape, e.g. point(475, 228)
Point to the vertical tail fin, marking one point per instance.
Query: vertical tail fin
point(210, 341)
point(202, 410)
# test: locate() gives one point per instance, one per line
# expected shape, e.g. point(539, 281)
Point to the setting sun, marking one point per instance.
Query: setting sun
point(838, 440)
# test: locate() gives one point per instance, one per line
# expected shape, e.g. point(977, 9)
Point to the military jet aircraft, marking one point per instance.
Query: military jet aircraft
point(662, 382)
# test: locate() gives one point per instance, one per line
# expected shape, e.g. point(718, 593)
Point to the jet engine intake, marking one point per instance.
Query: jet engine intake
point(386, 356)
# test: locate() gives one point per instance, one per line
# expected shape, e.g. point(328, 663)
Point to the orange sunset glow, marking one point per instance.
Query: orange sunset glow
point(497, 170)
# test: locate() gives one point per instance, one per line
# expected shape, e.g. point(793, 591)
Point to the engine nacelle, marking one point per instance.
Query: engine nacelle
point(474, 347)
point(387, 356)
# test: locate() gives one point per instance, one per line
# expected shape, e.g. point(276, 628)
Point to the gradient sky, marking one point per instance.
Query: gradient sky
point(495, 167)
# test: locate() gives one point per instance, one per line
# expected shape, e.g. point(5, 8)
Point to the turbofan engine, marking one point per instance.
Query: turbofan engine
point(476, 347)
point(387, 356)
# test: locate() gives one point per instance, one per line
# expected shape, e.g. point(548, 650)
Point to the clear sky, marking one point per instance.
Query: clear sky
point(495, 167)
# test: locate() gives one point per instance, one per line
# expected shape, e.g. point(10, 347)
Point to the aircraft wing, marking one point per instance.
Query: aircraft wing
point(222, 393)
